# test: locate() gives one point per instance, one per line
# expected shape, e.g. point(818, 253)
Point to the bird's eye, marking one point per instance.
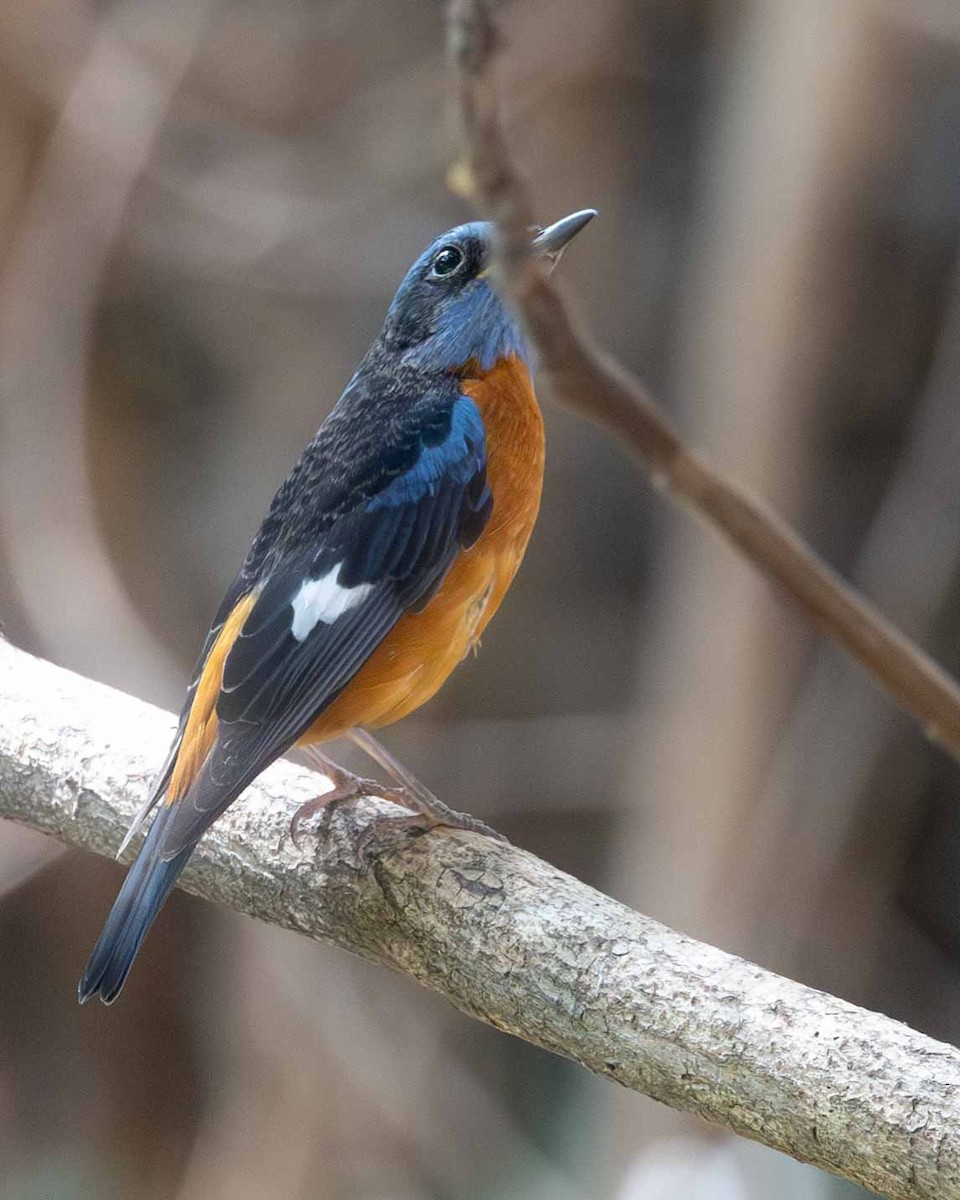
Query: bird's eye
point(446, 261)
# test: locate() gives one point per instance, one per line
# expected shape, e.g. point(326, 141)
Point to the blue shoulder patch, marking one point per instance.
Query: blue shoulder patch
point(454, 460)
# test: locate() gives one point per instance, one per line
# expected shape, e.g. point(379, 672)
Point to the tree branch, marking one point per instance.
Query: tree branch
point(585, 378)
point(514, 942)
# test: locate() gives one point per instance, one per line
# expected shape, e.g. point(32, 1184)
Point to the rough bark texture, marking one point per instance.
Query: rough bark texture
point(514, 942)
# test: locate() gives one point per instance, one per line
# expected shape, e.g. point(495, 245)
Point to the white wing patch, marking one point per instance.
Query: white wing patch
point(324, 599)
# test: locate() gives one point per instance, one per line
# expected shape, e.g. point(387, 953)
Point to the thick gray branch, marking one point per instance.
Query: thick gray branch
point(514, 942)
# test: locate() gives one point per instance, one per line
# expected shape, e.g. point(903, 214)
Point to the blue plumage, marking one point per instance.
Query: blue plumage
point(147, 885)
point(441, 330)
point(457, 458)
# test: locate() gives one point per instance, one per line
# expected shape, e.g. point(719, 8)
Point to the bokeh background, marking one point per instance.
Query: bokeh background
point(204, 209)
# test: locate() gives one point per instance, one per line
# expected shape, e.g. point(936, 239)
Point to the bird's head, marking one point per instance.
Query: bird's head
point(446, 313)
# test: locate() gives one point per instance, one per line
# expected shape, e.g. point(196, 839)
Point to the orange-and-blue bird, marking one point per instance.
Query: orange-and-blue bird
point(383, 557)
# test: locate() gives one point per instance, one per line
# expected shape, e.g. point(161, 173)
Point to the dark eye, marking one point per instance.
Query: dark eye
point(446, 261)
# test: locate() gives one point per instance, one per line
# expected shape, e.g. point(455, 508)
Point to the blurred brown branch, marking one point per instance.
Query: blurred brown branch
point(583, 377)
point(514, 942)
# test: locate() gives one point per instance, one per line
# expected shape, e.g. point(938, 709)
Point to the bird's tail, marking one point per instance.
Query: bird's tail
point(144, 890)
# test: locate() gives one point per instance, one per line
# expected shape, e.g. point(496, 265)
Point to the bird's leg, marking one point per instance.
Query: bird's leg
point(429, 811)
point(347, 789)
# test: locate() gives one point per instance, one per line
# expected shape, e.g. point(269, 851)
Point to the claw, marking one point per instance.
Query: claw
point(347, 789)
point(421, 823)
point(325, 804)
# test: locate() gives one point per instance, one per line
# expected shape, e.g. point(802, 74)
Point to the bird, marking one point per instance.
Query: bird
point(381, 560)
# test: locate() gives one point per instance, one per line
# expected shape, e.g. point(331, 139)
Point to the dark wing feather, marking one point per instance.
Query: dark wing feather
point(399, 542)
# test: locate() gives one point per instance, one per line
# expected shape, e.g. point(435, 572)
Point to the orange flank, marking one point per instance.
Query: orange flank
point(422, 649)
point(201, 728)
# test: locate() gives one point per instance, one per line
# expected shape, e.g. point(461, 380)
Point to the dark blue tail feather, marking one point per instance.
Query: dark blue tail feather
point(147, 885)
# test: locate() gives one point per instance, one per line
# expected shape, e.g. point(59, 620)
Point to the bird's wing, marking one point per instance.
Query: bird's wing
point(237, 590)
point(316, 620)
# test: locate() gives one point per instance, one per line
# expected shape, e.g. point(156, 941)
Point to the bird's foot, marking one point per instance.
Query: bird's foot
point(347, 789)
point(430, 812)
point(427, 811)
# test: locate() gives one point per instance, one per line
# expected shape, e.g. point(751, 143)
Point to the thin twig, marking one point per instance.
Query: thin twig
point(514, 942)
point(583, 377)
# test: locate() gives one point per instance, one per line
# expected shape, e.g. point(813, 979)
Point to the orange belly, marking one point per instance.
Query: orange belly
point(422, 649)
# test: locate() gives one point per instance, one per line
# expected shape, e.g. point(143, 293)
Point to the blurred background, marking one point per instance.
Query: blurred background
point(205, 208)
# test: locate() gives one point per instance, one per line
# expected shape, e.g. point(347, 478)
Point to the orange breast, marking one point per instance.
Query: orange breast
point(422, 649)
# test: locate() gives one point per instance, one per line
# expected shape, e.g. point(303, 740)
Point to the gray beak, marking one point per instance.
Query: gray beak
point(552, 241)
